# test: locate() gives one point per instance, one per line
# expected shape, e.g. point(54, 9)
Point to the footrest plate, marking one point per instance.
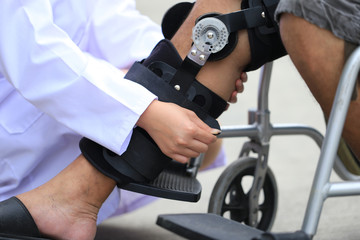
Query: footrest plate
point(172, 183)
point(202, 226)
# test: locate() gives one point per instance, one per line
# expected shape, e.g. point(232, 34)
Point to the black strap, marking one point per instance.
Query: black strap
point(243, 19)
point(185, 75)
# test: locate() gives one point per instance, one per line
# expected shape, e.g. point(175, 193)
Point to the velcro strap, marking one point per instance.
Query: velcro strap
point(166, 93)
point(243, 19)
point(142, 157)
point(185, 75)
point(270, 8)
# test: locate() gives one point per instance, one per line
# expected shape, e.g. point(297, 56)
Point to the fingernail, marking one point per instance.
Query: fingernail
point(215, 131)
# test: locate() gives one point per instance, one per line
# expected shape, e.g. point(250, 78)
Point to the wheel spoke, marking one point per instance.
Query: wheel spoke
point(239, 214)
point(234, 208)
point(240, 194)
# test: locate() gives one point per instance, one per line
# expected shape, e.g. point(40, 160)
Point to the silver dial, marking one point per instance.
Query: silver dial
point(210, 35)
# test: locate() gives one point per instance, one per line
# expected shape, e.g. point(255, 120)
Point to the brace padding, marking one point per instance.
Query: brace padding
point(174, 17)
point(265, 41)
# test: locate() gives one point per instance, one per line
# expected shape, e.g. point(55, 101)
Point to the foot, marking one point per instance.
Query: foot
point(66, 207)
point(57, 218)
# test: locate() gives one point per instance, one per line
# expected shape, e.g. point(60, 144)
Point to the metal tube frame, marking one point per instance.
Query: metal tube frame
point(260, 131)
point(322, 188)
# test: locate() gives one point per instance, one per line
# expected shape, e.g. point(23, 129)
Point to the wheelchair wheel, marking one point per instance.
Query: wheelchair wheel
point(230, 196)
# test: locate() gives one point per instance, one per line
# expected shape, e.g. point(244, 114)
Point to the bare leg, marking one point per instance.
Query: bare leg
point(66, 207)
point(211, 154)
point(318, 56)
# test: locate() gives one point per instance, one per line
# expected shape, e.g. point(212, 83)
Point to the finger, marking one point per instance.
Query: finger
point(180, 158)
point(188, 153)
point(239, 86)
point(204, 133)
point(207, 137)
point(200, 123)
point(196, 147)
point(227, 107)
point(233, 97)
point(243, 77)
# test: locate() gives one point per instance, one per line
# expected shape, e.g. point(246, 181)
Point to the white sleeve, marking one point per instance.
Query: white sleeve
point(120, 33)
point(88, 95)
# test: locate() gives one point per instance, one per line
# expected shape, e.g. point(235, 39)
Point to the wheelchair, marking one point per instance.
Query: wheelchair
point(252, 212)
point(251, 219)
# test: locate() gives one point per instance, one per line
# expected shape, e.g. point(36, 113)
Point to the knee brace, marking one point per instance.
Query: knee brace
point(257, 16)
point(143, 160)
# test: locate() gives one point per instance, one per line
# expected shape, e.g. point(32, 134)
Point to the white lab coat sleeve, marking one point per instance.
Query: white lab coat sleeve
point(129, 31)
point(88, 95)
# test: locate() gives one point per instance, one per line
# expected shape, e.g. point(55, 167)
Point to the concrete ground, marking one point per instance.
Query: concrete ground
point(292, 158)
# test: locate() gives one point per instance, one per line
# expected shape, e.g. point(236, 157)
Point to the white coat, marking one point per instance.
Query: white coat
point(60, 80)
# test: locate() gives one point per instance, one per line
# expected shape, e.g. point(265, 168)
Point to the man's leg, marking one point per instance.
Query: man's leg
point(319, 57)
point(218, 76)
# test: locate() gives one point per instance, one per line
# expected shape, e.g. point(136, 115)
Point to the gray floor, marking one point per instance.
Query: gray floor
point(292, 159)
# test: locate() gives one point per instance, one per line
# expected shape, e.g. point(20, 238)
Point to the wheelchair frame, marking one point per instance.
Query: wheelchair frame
point(260, 131)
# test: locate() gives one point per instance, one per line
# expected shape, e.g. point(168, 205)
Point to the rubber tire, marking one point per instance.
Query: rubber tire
point(234, 174)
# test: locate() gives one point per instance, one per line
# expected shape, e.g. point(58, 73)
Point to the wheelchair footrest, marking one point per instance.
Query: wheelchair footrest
point(207, 226)
point(172, 183)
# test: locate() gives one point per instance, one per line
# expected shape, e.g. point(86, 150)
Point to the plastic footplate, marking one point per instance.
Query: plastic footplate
point(172, 183)
point(202, 226)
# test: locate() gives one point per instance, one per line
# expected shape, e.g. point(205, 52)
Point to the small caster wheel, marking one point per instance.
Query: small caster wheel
point(230, 196)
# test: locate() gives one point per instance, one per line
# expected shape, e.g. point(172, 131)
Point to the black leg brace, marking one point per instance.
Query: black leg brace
point(143, 160)
point(173, 80)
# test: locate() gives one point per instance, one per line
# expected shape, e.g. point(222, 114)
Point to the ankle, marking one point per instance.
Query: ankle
point(66, 207)
point(60, 217)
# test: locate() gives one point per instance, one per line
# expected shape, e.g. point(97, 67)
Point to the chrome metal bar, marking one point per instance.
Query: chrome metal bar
point(277, 129)
point(298, 129)
point(263, 91)
point(239, 131)
point(339, 189)
point(331, 143)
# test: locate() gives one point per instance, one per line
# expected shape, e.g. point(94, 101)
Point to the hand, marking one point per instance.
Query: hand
point(239, 88)
point(178, 132)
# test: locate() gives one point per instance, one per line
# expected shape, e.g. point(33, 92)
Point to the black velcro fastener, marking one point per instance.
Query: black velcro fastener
point(141, 162)
point(212, 103)
point(96, 155)
point(166, 93)
point(243, 19)
point(185, 75)
point(265, 41)
point(142, 157)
